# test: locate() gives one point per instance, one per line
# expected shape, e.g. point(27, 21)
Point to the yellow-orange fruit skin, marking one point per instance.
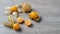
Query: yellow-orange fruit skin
point(19, 20)
point(33, 15)
point(13, 9)
point(16, 26)
point(27, 23)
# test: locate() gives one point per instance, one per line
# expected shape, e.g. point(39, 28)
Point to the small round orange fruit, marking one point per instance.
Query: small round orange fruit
point(19, 19)
point(13, 9)
point(16, 26)
point(33, 15)
point(27, 23)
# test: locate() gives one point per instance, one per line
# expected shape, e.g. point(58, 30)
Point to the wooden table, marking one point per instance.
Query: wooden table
point(49, 10)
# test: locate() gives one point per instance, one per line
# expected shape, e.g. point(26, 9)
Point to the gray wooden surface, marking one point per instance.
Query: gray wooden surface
point(49, 10)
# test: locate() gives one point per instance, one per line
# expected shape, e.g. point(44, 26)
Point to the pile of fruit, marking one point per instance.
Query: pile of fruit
point(14, 10)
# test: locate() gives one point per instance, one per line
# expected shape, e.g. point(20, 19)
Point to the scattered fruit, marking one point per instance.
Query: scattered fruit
point(27, 22)
point(16, 26)
point(13, 12)
point(33, 15)
point(13, 9)
point(19, 20)
point(26, 7)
